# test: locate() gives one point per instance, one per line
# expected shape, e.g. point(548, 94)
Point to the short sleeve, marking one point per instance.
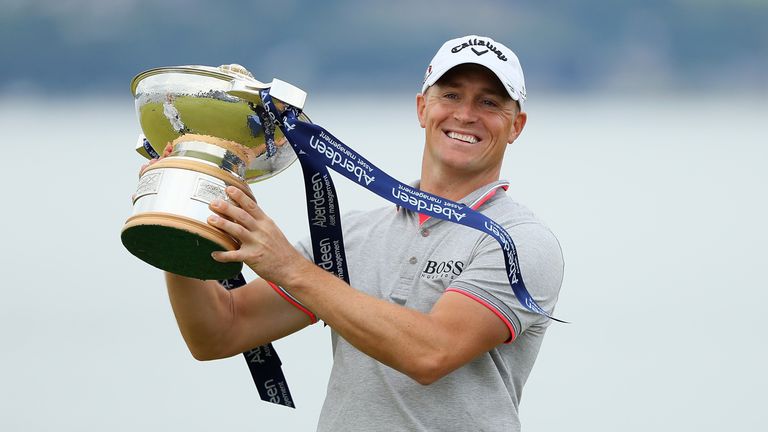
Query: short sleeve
point(541, 265)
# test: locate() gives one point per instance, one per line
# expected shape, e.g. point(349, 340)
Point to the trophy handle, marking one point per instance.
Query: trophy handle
point(243, 90)
point(288, 93)
point(281, 90)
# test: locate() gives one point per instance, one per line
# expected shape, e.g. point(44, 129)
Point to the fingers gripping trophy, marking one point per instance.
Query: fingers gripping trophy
point(209, 126)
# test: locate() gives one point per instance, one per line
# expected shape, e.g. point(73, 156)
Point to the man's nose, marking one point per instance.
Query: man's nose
point(465, 112)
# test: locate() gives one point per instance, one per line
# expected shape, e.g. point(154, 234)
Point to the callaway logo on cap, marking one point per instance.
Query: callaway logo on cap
point(485, 52)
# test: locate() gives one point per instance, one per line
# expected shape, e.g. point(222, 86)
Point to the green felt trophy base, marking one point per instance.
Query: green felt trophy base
point(179, 245)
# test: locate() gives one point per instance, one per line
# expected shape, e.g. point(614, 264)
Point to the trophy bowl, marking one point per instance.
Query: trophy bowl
point(209, 125)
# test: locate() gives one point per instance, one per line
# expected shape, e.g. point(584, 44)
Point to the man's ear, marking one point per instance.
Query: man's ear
point(517, 126)
point(421, 104)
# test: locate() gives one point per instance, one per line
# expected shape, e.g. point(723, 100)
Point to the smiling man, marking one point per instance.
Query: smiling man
point(469, 120)
point(428, 335)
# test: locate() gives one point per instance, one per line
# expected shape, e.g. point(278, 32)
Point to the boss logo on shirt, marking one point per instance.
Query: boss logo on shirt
point(442, 269)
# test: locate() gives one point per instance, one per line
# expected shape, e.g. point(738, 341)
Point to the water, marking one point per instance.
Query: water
point(659, 205)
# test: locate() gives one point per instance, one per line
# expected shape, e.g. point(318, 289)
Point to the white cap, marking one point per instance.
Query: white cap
point(485, 52)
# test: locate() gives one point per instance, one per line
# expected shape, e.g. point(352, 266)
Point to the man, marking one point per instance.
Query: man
point(429, 336)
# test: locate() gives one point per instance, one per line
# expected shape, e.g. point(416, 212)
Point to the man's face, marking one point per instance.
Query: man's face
point(469, 119)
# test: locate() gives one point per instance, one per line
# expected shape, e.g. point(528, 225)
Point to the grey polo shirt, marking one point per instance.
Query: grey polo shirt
point(393, 256)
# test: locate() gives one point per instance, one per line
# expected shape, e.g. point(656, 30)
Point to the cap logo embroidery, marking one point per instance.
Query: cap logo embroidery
point(521, 92)
point(479, 53)
point(479, 42)
point(428, 73)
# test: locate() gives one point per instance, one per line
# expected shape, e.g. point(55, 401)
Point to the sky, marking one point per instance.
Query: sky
point(670, 46)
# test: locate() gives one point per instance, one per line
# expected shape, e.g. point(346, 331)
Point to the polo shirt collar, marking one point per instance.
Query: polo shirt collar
point(475, 199)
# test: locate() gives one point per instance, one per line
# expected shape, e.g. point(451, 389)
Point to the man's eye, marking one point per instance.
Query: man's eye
point(490, 103)
point(451, 96)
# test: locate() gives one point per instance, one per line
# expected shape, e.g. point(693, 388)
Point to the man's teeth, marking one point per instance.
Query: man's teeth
point(466, 138)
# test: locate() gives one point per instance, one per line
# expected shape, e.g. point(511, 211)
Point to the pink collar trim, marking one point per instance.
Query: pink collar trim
point(478, 202)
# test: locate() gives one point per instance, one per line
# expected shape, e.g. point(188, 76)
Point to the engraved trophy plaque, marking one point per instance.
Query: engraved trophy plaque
point(208, 123)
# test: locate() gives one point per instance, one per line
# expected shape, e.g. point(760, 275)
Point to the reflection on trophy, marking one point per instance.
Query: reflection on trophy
point(209, 125)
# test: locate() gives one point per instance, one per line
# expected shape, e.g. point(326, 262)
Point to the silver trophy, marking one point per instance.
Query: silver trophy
point(209, 125)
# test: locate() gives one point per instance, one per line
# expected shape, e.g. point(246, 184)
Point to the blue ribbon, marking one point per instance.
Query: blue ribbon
point(317, 148)
point(149, 149)
point(328, 252)
point(322, 207)
point(264, 364)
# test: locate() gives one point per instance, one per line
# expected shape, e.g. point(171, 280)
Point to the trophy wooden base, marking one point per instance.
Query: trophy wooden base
point(178, 244)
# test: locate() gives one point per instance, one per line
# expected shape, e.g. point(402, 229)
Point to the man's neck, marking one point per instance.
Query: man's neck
point(453, 187)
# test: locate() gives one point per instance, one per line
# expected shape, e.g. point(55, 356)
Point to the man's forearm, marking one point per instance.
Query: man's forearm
point(203, 310)
point(424, 346)
point(417, 344)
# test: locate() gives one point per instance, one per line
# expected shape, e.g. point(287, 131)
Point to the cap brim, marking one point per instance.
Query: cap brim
point(437, 74)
